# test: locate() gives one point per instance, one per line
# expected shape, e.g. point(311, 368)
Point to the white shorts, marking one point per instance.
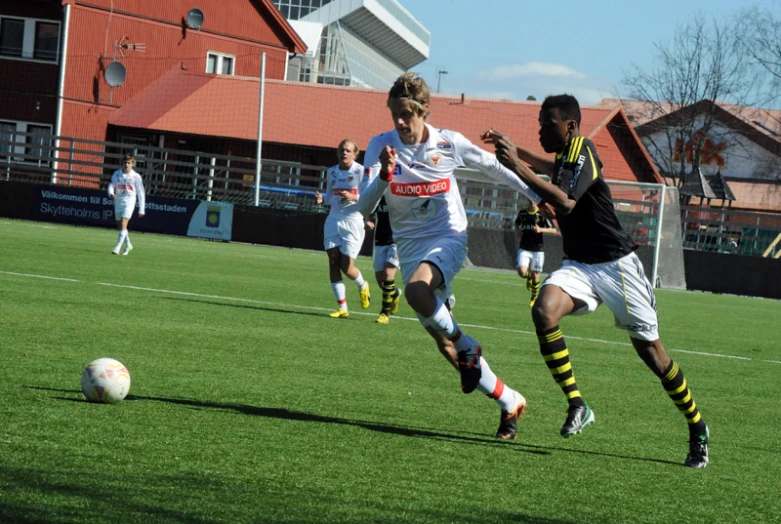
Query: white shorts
point(346, 233)
point(620, 284)
point(534, 260)
point(385, 256)
point(447, 253)
point(123, 208)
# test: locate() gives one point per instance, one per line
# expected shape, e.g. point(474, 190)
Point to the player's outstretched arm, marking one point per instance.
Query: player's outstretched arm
point(485, 162)
point(541, 163)
point(507, 154)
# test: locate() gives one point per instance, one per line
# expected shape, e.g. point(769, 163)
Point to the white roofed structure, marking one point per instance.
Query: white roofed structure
point(363, 43)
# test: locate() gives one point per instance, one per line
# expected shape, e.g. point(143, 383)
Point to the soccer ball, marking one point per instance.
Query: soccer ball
point(105, 380)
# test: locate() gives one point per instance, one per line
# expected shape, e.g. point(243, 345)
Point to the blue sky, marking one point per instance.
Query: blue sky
point(514, 48)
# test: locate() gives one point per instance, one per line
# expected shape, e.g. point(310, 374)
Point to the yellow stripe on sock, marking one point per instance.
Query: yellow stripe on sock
point(694, 419)
point(691, 409)
point(561, 369)
point(674, 371)
point(557, 355)
point(573, 394)
point(553, 337)
point(684, 400)
point(678, 390)
point(566, 382)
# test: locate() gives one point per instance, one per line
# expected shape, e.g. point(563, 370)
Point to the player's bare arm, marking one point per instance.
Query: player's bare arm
point(318, 197)
point(507, 154)
point(540, 163)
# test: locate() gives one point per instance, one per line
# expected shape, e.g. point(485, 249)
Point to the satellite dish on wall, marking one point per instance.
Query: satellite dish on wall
point(115, 74)
point(194, 18)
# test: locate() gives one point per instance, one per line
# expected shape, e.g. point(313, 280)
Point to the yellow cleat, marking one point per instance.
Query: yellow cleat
point(365, 297)
point(382, 319)
point(395, 304)
point(339, 313)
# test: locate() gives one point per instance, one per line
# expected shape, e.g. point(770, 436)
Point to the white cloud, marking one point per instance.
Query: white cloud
point(529, 69)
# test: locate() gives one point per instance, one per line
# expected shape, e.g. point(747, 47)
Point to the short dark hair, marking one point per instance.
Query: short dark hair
point(566, 105)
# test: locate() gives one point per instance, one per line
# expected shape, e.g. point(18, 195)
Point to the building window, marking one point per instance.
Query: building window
point(47, 39)
point(219, 63)
point(11, 37)
point(7, 137)
point(38, 142)
point(23, 140)
point(29, 38)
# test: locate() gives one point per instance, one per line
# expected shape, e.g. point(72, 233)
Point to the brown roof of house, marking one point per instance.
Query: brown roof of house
point(317, 115)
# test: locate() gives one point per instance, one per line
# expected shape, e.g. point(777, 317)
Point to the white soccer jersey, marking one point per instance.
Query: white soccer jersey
point(127, 187)
point(423, 198)
point(351, 180)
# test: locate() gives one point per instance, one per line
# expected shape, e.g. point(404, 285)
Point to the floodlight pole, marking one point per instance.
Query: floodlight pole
point(260, 127)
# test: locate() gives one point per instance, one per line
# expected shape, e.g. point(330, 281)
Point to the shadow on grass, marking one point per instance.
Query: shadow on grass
point(254, 307)
point(57, 495)
point(281, 413)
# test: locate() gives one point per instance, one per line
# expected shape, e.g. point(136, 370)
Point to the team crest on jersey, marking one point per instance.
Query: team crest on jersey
point(435, 160)
point(424, 208)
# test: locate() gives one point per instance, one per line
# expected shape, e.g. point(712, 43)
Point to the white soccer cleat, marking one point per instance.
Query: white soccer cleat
point(115, 251)
point(127, 250)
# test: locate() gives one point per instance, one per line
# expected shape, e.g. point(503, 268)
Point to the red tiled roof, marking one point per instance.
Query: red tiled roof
point(320, 116)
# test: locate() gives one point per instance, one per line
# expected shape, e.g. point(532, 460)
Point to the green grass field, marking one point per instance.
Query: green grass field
point(249, 404)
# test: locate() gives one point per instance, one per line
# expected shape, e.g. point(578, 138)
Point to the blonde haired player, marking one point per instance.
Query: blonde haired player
point(344, 228)
point(125, 187)
point(413, 168)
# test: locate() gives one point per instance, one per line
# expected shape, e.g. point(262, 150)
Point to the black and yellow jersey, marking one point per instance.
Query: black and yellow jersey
point(591, 232)
point(525, 222)
point(383, 236)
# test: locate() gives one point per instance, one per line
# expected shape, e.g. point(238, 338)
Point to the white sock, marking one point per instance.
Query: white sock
point(127, 239)
point(359, 281)
point(490, 385)
point(340, 293)
point(444, 322)
point(121, 237)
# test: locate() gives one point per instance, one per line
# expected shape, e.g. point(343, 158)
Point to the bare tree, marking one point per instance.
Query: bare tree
point(703, 64)
point(759, 29)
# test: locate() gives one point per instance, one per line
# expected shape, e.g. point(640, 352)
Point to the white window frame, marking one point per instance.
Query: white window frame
point(28, 40)
point(218, 65)
point(20, 148)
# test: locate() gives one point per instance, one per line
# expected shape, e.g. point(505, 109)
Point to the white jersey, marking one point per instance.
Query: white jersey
point(337, 180)
point(127, 187)
point(423, 198)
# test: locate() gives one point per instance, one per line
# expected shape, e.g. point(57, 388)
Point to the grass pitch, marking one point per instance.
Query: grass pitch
point(249, 404)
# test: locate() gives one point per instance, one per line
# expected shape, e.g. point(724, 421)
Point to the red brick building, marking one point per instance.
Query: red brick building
point(54, 54)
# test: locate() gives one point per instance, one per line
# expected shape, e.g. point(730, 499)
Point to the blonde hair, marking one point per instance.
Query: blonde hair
point(350, 141)
point(410, 86)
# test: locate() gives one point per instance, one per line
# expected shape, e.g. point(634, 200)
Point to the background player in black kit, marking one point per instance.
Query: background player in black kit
point(530, 224)
point(386, 261)
point(600, 265)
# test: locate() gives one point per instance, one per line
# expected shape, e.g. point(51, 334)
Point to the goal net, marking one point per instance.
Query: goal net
point(648, 212)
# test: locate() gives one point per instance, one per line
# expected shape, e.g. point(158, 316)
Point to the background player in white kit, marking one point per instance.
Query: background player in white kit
point(344, 228)
point(413, 166)
point(125, 186)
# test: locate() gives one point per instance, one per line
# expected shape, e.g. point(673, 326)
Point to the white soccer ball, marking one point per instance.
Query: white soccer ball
point(105, 380)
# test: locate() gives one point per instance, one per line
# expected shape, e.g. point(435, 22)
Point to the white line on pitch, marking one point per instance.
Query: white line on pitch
point(315, 308)
point(39, 276)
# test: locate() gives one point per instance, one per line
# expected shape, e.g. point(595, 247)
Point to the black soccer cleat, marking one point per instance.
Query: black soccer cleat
point(578, 417)
point(508, 423)
point(469, 368)
point(698, 451)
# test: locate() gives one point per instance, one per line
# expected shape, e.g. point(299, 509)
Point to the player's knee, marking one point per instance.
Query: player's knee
point(545, 314)
point(416, 294)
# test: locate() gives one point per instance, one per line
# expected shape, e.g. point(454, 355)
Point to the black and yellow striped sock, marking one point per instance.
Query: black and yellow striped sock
point(675, 384)
point(554, 351)
point(388, 293)
point(535, 289)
